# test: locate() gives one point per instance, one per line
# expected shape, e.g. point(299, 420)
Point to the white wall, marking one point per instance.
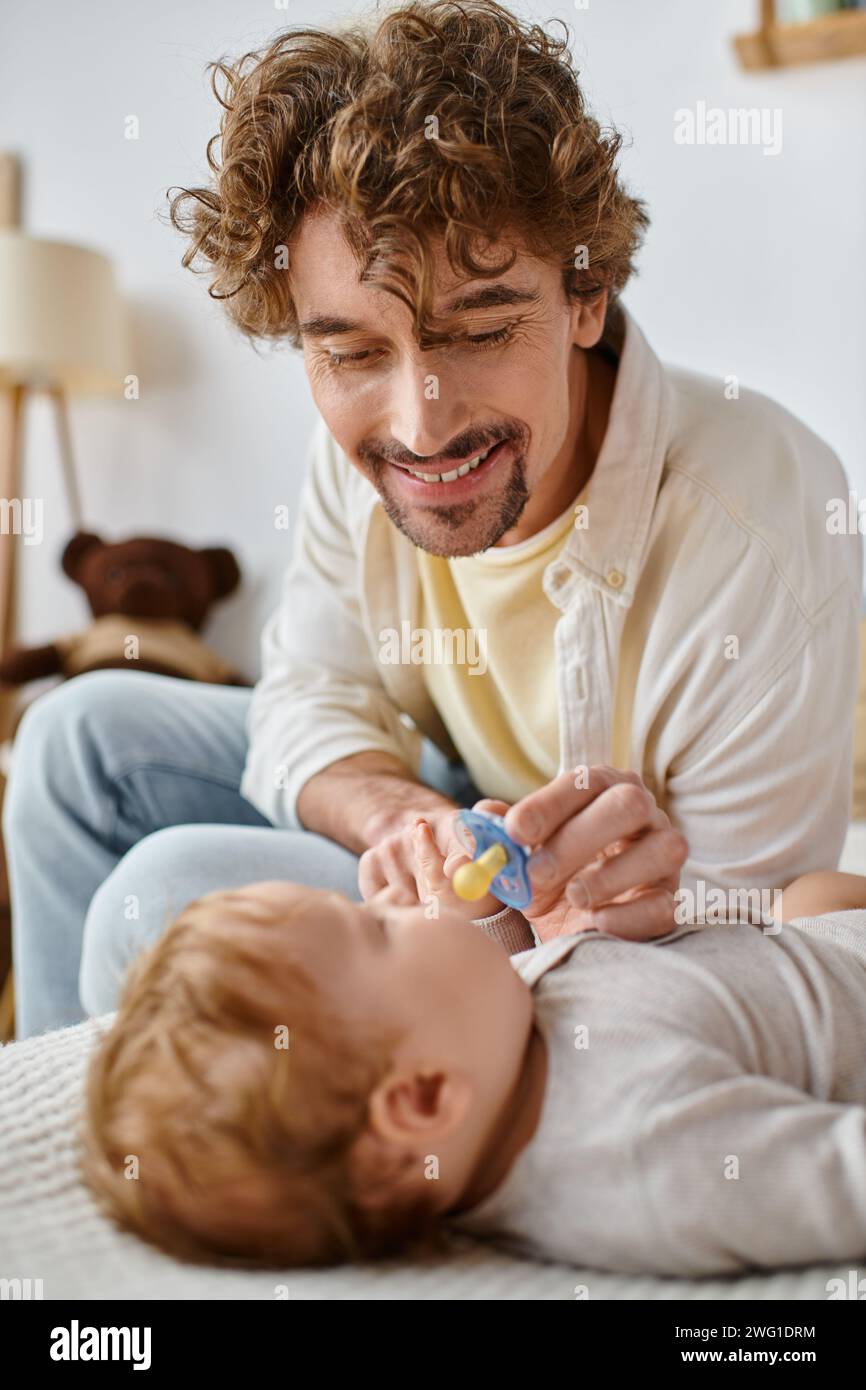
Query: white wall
point(754, 265)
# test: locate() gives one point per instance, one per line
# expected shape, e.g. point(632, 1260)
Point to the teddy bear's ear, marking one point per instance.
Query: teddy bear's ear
point(223, 566)
point(76, 549)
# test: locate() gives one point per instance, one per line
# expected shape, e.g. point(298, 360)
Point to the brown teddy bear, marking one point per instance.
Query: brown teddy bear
point(149, 597)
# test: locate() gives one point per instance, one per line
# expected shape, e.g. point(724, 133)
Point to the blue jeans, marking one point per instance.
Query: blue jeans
point(123, 806)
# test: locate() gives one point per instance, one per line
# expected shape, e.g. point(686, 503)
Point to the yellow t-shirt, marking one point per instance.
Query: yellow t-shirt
point(504, 720)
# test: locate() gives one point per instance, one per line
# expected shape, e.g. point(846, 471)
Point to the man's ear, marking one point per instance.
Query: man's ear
point(75, 551)
point(224, 571)
point(587, 320)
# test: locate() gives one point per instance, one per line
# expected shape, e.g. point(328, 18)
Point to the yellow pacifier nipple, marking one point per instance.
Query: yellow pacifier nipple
point(473, 880)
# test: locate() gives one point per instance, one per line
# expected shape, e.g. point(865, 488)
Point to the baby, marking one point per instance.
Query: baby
point(293, 1078)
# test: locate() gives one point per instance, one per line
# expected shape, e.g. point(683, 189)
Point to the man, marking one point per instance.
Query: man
point(659, 644)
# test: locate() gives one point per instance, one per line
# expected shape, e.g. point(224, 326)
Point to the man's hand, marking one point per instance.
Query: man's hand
point(606, 858)
point(361, 799)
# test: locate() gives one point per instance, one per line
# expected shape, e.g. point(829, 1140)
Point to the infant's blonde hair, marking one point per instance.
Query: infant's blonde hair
point(203, 1135)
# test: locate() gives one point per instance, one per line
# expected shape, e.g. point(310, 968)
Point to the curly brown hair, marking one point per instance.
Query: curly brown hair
point(445, 119)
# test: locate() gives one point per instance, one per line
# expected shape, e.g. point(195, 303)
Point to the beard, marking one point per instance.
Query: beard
point(464, 528)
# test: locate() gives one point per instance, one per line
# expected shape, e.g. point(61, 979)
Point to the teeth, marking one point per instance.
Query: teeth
point(453, 473)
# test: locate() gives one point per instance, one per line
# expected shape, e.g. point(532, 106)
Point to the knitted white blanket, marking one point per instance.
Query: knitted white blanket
point(51, 1231)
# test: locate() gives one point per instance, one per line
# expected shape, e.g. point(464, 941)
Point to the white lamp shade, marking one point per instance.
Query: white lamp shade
point(62, 321)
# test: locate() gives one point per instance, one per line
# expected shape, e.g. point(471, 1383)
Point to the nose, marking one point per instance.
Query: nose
point(428, 407)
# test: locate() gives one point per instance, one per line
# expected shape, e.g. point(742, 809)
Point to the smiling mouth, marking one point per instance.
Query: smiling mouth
point(458, 480)
point(451, 476)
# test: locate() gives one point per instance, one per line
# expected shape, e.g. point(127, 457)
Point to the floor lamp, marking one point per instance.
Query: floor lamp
point(63, 333)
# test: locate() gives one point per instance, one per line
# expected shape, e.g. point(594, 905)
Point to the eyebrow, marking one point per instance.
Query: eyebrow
point(487, 297)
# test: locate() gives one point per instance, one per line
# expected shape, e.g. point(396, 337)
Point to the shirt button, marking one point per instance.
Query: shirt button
point(615, 579)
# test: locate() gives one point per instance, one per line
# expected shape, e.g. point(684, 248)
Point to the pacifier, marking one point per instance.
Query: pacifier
point(498, 863)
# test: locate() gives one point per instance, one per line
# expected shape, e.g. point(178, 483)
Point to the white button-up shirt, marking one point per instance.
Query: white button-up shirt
point(708, 637)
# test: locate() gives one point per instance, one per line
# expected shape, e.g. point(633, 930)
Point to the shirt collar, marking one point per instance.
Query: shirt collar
point(621, 493)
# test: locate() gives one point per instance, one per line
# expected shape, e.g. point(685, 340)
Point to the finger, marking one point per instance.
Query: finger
point(651, 914)
point(658, 855)
point(394, 895)
point(455, 858)
point(390, 861)
point(371, 874)
point(624, 810)
point(429, 865)
point(537, 816)
point(398, 858)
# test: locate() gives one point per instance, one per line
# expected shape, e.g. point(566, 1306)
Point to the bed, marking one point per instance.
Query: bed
point(50, 1229)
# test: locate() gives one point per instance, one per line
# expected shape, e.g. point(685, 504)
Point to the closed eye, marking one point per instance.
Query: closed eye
point(337, 359)
point(499, 335)
point(477, 340)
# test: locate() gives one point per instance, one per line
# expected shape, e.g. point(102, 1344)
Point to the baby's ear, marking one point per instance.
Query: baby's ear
point(410, 1106)
point(409, 1113)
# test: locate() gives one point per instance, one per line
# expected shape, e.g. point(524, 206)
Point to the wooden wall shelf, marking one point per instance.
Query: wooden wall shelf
point(841, 35)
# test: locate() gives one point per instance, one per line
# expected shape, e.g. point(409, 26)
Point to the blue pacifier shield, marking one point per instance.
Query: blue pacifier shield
point(477, 831)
